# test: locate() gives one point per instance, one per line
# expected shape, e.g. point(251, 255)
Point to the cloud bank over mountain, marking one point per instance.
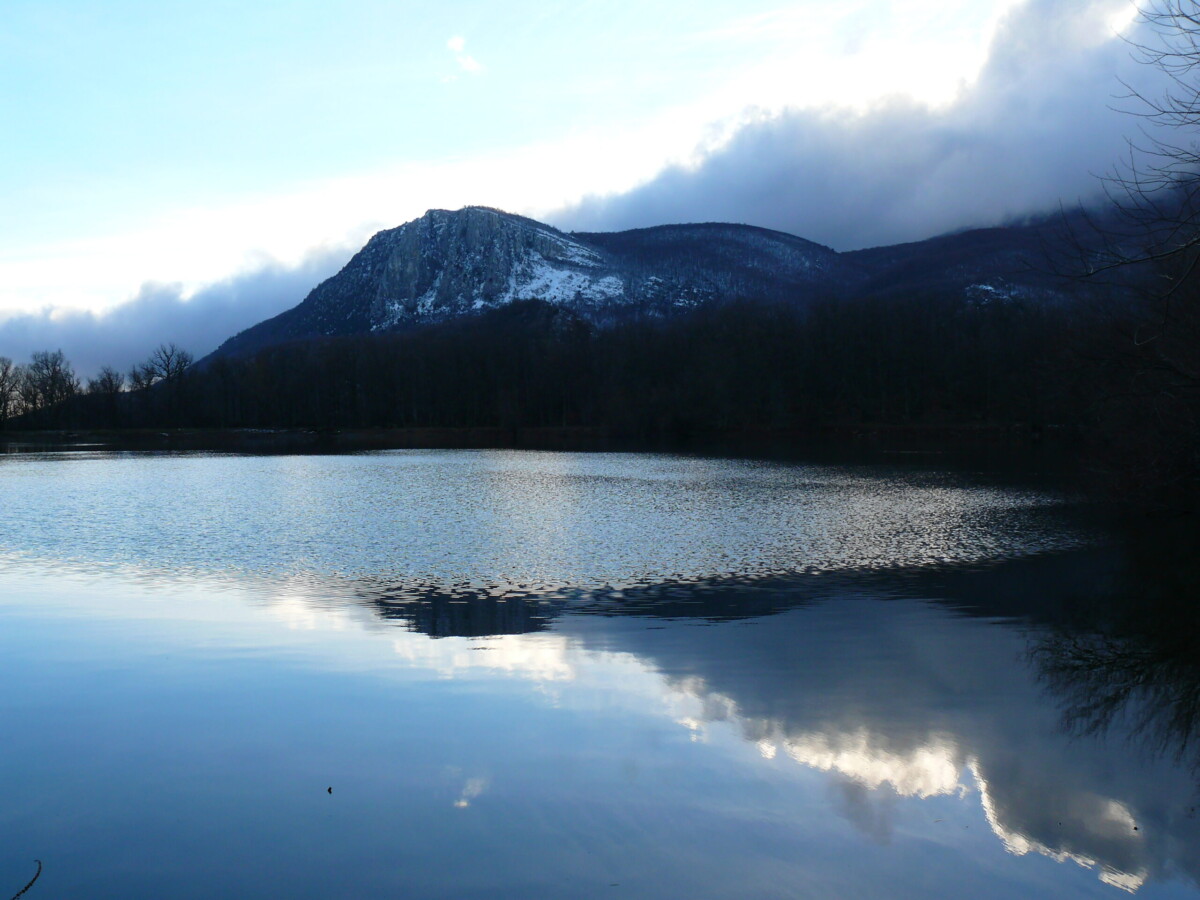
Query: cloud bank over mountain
point(159, 313)
point(1036, 128)
point(1033, 130)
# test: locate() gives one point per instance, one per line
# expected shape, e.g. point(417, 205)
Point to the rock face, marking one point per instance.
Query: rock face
point(449, 264)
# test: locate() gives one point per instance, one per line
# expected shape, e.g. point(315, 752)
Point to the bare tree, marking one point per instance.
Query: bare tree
point(49, 381)
point(164, 370)
point(107, 387)
point(141, 376)
point(10, 377)
point(1154, 211)
point(108, 382)
point(169, 362)
point(1145, 358)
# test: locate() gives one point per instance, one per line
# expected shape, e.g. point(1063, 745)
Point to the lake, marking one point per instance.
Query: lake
point(520, 674)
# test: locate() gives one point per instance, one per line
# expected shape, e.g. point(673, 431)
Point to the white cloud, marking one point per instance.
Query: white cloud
point(162, 313)
point(1033, 128)
point(458, 46)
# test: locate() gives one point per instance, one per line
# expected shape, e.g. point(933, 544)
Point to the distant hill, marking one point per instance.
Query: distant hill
point(450, 264)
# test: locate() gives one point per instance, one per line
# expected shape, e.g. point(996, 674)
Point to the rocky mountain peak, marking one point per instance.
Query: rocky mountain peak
point(447, 263)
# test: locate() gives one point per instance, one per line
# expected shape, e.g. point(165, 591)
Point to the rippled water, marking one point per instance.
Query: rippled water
point(500, 674)
point(503, 520)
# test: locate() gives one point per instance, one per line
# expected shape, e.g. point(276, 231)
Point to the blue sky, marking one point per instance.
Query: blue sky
point(169, 149)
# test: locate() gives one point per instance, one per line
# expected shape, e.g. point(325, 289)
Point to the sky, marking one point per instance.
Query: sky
point(179, 171)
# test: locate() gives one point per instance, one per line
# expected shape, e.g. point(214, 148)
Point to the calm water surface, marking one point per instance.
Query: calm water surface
point(578, 675)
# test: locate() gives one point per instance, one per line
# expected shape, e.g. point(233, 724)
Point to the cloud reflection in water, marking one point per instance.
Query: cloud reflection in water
point(861, 630)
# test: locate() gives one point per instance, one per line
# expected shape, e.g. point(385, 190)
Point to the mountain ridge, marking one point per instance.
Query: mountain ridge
point(452, 263)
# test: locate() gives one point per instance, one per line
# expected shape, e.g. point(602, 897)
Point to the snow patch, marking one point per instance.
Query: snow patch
point(573, 253)
point(542, 279)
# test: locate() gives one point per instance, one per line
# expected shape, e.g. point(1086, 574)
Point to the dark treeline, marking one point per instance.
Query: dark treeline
point(736, 367)
point(46, 392)
point(933, 360)
point(1121, 377)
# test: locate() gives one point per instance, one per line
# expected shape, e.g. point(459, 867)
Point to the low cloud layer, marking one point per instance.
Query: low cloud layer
point(158, 314)
point(1036, 128)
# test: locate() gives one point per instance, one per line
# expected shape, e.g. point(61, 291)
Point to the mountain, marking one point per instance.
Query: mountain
point(449, 264)
point(980, 264)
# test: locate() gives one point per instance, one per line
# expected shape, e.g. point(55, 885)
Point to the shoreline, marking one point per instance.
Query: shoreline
point(1004, 446)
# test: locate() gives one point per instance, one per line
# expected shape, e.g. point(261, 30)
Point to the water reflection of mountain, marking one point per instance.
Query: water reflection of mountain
point(916, 683)
point(477, 612)
point(462, 614)
point(1042, 588)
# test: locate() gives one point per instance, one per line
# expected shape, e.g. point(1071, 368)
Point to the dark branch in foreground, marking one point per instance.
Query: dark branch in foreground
point(36, 876)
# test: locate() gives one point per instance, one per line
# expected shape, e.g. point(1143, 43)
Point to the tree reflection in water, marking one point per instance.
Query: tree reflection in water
point(1130, 662)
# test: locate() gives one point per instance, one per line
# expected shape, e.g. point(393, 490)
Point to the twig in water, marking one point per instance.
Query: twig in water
point(35, 877)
